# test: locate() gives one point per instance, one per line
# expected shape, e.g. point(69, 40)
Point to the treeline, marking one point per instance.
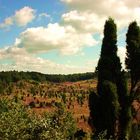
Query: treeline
point(14, 76)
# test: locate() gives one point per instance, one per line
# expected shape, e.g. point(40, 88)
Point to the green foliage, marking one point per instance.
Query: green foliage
point(109, 69)
point(16, 123)
point(109, 65)
point(110, 38)
point(132, 64)
point(1, 88)
point(133, 52)
point(95, 116)
point(102, 135)
point(33, 91)
point(110, 107)
point(13, 121)
point(110, 90)
point(14, 76)
point(64, 99)
point(113, 102)
point(59, 126)
point(135, 132)
point(125, 117)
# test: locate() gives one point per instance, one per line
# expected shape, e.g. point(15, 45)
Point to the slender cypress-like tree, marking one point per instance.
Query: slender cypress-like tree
point(109, 69)
point(133, 54)
point(109, 65)
point(133, 66)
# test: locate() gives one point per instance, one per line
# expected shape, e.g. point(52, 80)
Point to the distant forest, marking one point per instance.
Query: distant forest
point(14, 76)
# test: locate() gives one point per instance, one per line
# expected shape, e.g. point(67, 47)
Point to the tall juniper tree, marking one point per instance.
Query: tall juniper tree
point(133, 53)
point(132, 62)
point(109, 69)
point(109, 66)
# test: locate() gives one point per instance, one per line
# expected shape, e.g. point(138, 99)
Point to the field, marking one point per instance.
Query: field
point(46, 96)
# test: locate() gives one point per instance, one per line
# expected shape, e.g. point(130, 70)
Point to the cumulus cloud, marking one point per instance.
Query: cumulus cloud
point(100, 4)
point(18, 59)
point(70, 36)
point(123, 11)
point(63, 38)
point(24, 16)
point(84, 21)
point(21, 17)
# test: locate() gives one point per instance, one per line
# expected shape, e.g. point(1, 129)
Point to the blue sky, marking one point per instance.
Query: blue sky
point(59, 36)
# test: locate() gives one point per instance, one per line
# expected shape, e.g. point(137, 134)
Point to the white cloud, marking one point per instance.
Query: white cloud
point(90, 15)
point(12, 52)
point(69, 37)
point(84, 21)
point(21, 17)
point(63, 38)
point(19, 59)
point(100, 4)
point(123, 11)
point(122, 55)
point(132, 4)
point(24, 16)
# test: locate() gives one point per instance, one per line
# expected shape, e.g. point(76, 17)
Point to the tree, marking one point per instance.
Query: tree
point(109, 69)
point(133, 53)
point(132, 62)
point(109, 65)
point(113, 101)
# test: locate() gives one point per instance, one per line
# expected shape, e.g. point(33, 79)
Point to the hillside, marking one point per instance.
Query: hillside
point(45, 96)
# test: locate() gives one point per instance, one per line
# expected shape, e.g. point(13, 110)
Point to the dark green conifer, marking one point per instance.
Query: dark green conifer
point(109, 69)
point(133, 53)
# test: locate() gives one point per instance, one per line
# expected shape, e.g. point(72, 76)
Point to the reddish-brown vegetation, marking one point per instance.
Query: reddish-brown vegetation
point(44, 97)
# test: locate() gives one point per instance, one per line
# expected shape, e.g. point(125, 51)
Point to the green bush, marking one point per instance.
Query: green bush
point(18, 123)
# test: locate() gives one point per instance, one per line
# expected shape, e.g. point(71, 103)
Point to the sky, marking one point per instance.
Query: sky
point(60, 36)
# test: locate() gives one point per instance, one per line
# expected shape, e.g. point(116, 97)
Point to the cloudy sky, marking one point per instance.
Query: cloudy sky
point(59, 36)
